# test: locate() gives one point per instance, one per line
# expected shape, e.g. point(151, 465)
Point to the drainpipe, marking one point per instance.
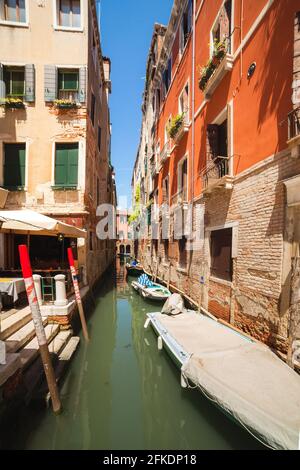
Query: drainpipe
point(193, 112)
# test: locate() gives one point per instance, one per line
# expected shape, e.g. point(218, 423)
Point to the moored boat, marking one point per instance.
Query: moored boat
point(151, 290)
point(244, 378)
point(134, 269)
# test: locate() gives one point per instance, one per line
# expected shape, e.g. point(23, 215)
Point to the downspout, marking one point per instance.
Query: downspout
point(193, 112)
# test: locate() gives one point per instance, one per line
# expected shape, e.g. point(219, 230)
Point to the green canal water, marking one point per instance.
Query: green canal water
point(120, 392)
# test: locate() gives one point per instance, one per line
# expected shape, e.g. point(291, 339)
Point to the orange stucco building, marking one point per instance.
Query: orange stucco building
point(220, 148)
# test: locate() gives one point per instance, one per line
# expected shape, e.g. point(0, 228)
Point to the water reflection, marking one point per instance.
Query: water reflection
point(122, 393)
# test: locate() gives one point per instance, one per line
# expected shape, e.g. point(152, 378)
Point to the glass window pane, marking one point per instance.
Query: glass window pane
point(22, 11)
point(64, 14)
point(17, 83)
point(70, 81)
point(76, 23)
point(11, 10)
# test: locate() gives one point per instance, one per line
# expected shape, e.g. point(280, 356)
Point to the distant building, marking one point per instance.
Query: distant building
point(55, 126)
point(124, 234)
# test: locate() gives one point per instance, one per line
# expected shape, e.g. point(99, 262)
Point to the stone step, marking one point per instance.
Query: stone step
point(14, 322)
point(13, 363)
point(69, 349)
point(54, 337)
point(21, 337)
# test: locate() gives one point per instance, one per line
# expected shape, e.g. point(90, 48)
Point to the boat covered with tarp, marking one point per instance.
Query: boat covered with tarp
point(243, 377)
point(151, 290)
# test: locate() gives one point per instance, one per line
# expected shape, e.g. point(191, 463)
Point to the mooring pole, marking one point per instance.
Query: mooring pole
point(77, 294)
point(39, 328)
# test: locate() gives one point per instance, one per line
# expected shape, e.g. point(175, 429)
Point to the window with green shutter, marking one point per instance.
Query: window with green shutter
point(14, 166)
point(68, 84)
point(14, 79)
point(66, 165)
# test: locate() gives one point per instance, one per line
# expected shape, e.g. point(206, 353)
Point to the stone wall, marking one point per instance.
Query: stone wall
point(256, 206)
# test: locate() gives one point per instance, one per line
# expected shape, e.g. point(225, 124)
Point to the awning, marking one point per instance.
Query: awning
point(30, 222)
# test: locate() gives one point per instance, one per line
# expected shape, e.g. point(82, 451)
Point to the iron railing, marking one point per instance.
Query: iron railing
point(294, 123)
point(216, 170)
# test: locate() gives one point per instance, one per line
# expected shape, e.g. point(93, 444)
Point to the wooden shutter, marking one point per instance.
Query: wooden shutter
point(66, 165)
point(14, 165)
point(50, 82)
point(82, 84)
point(225, 21)
point(29, 83)
point(2, 84)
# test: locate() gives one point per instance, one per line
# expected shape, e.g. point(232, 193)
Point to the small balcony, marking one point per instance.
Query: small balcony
point(165, 153)
point(214, 73)
point(294, 132)
point(216, 175)
point(183, 128)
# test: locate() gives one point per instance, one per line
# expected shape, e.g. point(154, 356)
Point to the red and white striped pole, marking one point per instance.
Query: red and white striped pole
point(39, 328)
point(77, 294)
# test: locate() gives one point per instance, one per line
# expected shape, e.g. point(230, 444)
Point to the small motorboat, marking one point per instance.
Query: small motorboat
point(151, 290)
point(134, 269)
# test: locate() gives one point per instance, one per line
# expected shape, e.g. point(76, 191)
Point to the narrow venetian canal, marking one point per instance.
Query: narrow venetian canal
point(121, 393)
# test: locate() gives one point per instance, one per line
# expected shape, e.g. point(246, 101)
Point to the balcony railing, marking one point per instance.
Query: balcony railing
point(216, 174)
point(165, 153)
point(294, 124)
point(184, 127)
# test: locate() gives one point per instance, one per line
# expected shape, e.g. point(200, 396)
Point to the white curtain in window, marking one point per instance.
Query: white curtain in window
point(65, 12)
point(76, 14)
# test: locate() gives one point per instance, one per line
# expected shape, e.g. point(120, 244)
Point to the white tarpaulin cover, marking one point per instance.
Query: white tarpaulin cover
point(26, 221)
point(243, 377)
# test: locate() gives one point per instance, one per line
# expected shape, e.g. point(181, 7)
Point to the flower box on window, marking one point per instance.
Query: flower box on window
point(12, 103)
point(65, 104)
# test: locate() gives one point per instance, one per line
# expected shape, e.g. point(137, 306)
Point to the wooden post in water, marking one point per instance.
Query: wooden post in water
point(39, 328)
point(77, 294)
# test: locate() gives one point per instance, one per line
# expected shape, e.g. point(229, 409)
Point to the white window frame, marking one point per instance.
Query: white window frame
point(211, 34)
point(163, 182)
point(182, 47)
point(58, 27)
point(166, 137)
point(230, 123)
point(18, 24)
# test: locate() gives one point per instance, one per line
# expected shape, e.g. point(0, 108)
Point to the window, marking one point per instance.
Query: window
point(222, 28)
point(13, 10)
point(93, 106)
point(14, 166)
point(99, 138)
point(68, 85)
point(221, 254)
point(66, 165)
point(165, 190)
point(167, 77)
point(183, 180)
point(186, 24)
point(168, 123)
point(69, 13)
point(184, 101)
point(217, 136)
point(14, 79)
point(182, 253)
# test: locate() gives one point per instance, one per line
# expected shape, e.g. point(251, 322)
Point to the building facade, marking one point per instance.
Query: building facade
point(55, 125)
point(222, 111)
point(125, 245)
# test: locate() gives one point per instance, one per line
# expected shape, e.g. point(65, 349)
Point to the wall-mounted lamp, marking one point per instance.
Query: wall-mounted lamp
point(251, 70)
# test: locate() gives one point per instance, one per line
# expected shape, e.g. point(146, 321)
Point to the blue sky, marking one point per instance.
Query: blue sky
point(126, 32)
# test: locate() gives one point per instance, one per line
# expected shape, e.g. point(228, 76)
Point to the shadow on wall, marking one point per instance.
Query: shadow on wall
point(274, 80)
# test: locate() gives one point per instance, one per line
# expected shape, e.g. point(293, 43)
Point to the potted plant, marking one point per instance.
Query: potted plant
point(205, 74)
point(65, 104)
point(175, 125)
point(220, 49)
point(12, 103)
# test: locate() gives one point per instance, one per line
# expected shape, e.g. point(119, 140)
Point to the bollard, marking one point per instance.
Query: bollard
point(38, 288)
point(60, 289)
